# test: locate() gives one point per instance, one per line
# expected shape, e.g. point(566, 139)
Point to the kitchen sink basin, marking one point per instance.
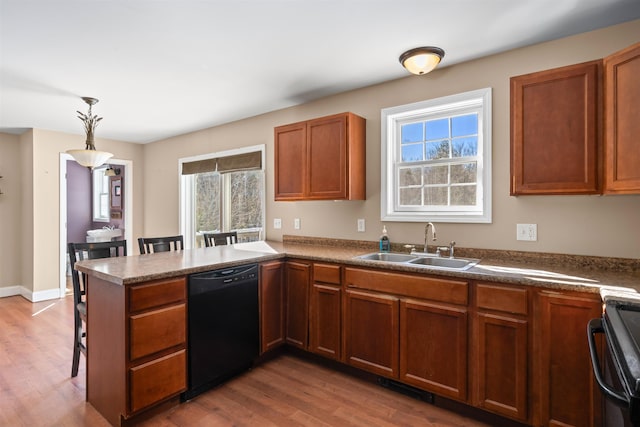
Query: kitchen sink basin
point(387, 257)
point(451, 263)
point(422, 260)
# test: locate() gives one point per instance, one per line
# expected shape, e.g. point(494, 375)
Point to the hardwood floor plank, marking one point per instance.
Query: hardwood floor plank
point(36, 344)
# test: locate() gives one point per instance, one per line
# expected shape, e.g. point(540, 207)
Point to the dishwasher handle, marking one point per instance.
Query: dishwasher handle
point(595, 327)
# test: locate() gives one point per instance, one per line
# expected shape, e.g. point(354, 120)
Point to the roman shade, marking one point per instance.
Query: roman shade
point(235, 163)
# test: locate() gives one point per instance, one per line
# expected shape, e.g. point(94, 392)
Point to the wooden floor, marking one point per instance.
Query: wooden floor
point(36, 388)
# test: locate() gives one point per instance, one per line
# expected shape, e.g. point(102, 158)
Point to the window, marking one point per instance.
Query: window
point(436, 160)
point(100, 195)
point(223, 192)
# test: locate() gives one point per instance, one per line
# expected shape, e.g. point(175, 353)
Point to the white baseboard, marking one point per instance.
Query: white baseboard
point(31, 296)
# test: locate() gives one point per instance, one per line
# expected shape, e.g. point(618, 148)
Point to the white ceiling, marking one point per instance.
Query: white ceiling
point(166, 67)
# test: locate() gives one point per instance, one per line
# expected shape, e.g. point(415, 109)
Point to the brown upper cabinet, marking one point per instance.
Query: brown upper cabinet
point(557, 128)
point(622, 121)
point(321, 159)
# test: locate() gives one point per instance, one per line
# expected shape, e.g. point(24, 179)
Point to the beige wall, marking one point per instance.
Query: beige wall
point(587, 225)
point(36, 211)
point(10, 215)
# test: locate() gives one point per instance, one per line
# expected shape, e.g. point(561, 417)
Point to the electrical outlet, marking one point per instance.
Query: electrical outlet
point(361, 225)
point(296, 223)
point(277, 223)
point(528, 232)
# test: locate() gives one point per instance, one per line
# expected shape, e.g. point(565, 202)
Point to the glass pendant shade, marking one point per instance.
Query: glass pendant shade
point(421, 60)
point(89, 157)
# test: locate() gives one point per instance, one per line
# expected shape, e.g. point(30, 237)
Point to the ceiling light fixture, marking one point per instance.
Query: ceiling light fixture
point(90, 157)
point(421, 60)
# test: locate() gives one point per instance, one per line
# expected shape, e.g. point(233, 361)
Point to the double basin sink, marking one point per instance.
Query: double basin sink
point(421, 260)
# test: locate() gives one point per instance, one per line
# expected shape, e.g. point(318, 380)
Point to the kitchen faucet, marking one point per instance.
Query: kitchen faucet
point(426, 233)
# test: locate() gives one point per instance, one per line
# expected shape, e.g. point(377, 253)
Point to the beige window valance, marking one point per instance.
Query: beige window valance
point(235, 163)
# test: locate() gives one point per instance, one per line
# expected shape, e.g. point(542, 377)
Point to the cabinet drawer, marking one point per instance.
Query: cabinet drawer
point(500, 298)
point(157, 380)
point(157, 293)
point(435, 289)
point(326, 273)
point(157, 330)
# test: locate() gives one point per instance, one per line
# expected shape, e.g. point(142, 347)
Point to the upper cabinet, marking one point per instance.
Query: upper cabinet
point(321, 159)
point(555, 130)
point(560, 143)
point(622, 121)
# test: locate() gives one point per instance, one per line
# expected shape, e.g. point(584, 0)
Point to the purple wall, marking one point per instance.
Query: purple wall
point(79, 203)
point(79, 217)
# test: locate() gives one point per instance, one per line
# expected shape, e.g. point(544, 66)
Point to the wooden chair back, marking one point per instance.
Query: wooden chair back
point(220, 239)
point(149, 245)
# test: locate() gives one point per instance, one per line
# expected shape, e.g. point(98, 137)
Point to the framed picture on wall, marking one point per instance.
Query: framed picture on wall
point(116, 193)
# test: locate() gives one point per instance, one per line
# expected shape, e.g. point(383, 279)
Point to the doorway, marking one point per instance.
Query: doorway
point(127, 166)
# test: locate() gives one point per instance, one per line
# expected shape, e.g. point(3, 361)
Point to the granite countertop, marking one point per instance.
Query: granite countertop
point(611, 277)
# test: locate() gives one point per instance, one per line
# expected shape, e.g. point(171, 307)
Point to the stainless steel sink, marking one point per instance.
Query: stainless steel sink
point(449, 263)
point(387, 257)
point(422, 260)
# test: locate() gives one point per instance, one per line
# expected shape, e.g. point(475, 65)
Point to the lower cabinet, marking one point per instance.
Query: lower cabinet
point(371, 332)
point(325, 311)
point(272, 314)
point(501, 345)
point(137, 344)
point(297, 275)
point(564, 380)
point(433, 347)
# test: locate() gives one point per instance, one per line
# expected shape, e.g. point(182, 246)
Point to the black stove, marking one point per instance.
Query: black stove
point(620, 378)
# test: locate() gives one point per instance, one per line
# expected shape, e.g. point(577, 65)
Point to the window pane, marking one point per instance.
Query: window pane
point(410, 176)
point(104, 205)
point(436, 175)
point(207, 195)
point(465, 173)
point(410, 197)
point(412, 132)
point(435, 196)
point(463, 195)
point(464, 125)
point(246, 199)
point(437, 129)
point(465, 146)
point(412, 153)
point(438, 150)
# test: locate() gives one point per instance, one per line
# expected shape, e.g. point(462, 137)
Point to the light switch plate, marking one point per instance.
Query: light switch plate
point(296, 223)
point(528, 232)
point(277, 223)
point(361, 225)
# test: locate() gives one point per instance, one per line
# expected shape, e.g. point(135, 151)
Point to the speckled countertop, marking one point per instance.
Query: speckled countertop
point(611, 277)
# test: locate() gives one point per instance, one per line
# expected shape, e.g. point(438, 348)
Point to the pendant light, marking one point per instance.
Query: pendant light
point(421, 60)
point(90, 157)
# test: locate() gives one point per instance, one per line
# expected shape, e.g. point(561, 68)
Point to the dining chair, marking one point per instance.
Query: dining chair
point(220, 239)
point(79, 252)
point(149, 245)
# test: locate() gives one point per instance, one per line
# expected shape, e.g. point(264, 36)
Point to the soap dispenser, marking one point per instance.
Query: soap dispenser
point(385, 243)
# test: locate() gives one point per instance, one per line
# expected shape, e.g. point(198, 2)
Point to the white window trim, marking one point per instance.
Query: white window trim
point(390, 117)
point(187, 210)
point(96, 201)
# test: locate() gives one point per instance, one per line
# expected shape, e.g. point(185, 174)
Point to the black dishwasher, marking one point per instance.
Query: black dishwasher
point(223, 326)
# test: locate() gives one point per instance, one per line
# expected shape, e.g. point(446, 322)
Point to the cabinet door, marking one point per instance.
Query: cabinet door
point(565, 382)
point(290, 143)
point(327, 159)
point(622, 127)
point(297, 307)
point(555, 130)
point(371, 332)
point(324, 322)
point(433, 347)
point(271, 305)
point(502, 365)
